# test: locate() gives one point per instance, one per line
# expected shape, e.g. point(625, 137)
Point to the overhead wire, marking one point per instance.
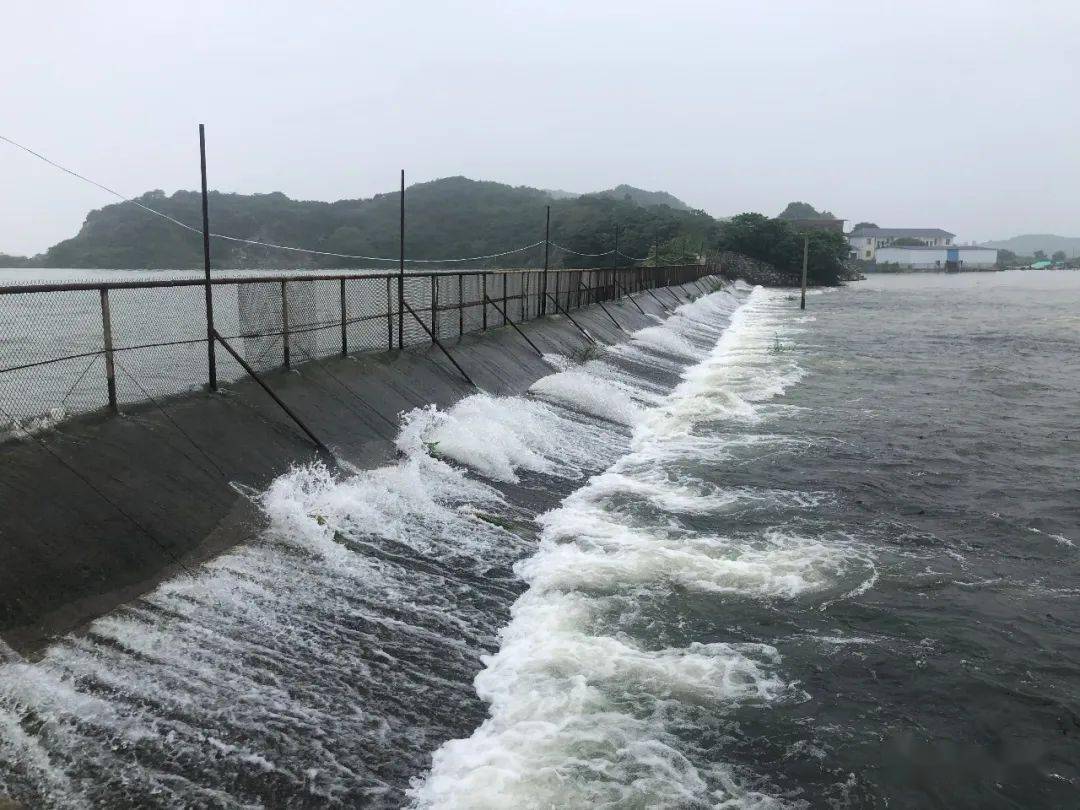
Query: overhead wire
point(257, 242)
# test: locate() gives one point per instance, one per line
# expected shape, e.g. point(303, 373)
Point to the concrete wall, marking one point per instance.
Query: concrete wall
point(153, 492)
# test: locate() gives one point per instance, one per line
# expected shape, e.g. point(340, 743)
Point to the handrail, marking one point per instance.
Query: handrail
point(77, 286)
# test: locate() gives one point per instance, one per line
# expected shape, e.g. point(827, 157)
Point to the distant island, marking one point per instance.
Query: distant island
point(1036, 247)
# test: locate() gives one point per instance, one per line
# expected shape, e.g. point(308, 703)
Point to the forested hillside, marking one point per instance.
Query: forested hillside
point(445, 219)
point(448, 218)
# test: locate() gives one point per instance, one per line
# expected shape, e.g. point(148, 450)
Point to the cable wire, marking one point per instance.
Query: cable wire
point(257, 242)
point(578, 252)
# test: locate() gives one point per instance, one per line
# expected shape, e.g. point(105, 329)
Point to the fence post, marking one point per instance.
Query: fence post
point(211, 357)
point(389, 317)
point(106, 331)
point(523, 285)
point(285, 322)
point(434, 307)
point(460, 304)
point(483, 283)
point(504, 299)
point(344, 323)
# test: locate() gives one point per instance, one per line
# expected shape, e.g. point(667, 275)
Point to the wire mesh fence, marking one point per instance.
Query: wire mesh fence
point(76, 348)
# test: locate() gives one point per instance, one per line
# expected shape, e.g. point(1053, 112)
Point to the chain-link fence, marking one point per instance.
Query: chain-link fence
point(75, 348)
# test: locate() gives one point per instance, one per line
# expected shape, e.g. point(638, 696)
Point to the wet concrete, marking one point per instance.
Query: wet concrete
point(154, 491)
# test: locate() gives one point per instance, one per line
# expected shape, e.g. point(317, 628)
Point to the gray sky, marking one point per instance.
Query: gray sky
point(954, 113)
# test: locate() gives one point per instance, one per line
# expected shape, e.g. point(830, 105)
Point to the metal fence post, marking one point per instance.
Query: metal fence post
point(285, 322)
point(434, 307)
point(483, 283)
point(211, 357)
point(389, 317)
point(504, 299)
point(344, 323)
point(106, 331)
point(460, 304)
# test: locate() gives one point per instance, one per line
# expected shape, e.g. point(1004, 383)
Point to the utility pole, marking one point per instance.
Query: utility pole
point(615, 259)
point(805, 257)
point(401, 271)
point(547, 249)
point(211, 357)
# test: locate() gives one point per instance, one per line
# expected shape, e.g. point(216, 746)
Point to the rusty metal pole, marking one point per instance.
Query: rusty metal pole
point(106, 333)
point(211, 357)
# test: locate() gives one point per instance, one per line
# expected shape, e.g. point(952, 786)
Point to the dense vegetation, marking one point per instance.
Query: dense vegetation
point(803, 210)
point(780, 244)
point(448, 218)
point(452, 217)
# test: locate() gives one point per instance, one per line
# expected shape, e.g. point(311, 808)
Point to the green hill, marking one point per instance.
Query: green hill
point(451, 217)
point(642, 197)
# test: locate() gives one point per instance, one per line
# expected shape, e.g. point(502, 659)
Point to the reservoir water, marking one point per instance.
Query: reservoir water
point(754, 557)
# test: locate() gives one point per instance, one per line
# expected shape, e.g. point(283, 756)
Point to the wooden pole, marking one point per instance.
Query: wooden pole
point(805, 257)
point(211, 358)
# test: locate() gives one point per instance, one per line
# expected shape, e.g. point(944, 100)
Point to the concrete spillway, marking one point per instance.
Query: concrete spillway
point(162, 486)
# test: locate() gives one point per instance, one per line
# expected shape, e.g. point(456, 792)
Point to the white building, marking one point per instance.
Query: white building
point(865, 241)
point(937, 258)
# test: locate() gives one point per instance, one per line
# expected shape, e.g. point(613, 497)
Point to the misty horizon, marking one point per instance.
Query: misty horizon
point(921, 116)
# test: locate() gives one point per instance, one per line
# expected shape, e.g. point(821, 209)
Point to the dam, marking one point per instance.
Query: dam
point(231, 595)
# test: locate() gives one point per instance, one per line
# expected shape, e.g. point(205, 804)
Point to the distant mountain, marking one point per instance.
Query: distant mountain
point(559, 194)
point(642, 197)
point(447, 218)
point(1028, 243)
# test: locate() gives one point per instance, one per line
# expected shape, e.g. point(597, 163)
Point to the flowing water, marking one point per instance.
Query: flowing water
point(752, 558)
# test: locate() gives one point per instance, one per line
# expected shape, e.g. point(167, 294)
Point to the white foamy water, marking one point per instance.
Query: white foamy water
point(578, 700)
point(326, 661)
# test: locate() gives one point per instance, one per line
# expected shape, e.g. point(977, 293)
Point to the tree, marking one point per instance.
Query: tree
point(1040, 255)
point(861, 225)
point(803, 210)
point(1006, 258)
point(775, 241)
point(1059, 256)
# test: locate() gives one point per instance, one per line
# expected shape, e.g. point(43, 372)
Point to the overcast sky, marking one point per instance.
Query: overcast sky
point(955, 114)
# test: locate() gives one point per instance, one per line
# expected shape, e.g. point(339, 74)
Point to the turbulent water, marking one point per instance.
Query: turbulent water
point(752, 558)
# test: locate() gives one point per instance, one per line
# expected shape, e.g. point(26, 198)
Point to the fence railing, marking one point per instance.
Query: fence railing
point(73, 348)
